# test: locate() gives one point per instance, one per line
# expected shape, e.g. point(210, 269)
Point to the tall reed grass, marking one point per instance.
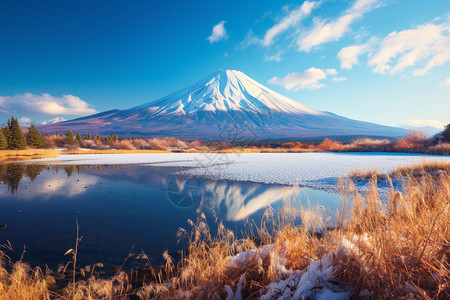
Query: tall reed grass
point(373, 249)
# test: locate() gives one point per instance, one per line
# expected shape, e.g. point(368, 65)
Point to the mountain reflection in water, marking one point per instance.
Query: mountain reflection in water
point(122, 206)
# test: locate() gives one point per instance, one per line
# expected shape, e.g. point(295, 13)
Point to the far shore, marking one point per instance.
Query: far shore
point(11, 156)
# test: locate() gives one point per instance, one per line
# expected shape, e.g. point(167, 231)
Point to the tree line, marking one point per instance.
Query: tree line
point(13, 138)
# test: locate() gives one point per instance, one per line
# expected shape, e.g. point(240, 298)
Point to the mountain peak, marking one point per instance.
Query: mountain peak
point(223, 91)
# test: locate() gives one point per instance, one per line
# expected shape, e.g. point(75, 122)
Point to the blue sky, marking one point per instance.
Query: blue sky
point(376, 60)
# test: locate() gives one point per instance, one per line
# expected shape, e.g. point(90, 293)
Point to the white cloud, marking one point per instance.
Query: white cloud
point(422, 123)
point(446, 82)
point(250, 39)
point(289, 21)
point(276, 57)
point(422, 48)
point(349, 55)
point(323, 32)
point(331, 71)
point(53, 121)
point(309, 79)
point(218, 33)
point(44, 104)
point(339, 79)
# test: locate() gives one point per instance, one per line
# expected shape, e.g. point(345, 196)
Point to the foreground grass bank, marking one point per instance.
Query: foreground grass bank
point(399, 248)
point(9, 156)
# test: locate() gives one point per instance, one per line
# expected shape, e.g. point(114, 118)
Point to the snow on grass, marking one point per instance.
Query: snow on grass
point(316, 281)
point(317, 170)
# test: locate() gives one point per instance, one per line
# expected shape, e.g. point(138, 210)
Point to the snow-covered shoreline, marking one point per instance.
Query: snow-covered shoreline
point(316, 170)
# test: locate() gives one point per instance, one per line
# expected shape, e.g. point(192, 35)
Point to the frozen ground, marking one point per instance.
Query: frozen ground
point(316, 170)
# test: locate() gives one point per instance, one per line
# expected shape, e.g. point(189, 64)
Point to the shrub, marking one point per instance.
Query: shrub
point(123, 144)
point(157, 144)
point(198, 145)
point(441, 149)
point(418, 138)
point(369, 144)
point(330, 145)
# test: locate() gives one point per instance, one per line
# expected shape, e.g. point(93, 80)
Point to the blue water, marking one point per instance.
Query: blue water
point(122, 209)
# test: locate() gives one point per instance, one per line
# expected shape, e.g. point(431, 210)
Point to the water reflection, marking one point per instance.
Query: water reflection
point(121, 206)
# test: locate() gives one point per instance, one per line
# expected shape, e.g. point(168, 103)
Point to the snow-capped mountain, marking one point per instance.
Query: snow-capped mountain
point(227, 105)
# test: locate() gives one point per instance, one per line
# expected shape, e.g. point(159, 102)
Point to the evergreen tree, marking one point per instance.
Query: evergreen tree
point(35, 138)
point(89, 137)
point(3, 141)
point(79, 139)
point(97, 137)
point(446, 133)
point(70, 139)
point(7, 133)
point(16, 139)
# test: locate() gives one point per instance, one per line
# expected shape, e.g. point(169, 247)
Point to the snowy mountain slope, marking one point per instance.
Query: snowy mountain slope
point(227, 105)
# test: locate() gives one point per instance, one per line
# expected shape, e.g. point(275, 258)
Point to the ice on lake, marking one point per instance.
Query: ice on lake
point(317, 170)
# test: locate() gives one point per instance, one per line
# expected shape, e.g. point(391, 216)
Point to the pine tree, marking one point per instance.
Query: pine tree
point(7, 132)
point(3, 141)
point(446, 133)
point(35, 138)
point(89, 137)
point(79, 139)
point(70, 139)
point(16, 138)
point(97, 137)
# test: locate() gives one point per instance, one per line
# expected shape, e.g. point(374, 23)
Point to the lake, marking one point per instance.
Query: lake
point(137, 202)
point(121, 206)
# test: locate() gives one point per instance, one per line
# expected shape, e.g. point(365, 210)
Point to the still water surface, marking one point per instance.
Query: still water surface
point(119, 207)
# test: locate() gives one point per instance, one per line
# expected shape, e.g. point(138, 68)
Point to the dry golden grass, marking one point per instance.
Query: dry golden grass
point(111, 151)
point(423, 168)
point(21, 282)
point(230, 150)
point(358, 174)
point(397, 249)
point(8, 156)
point(265, 150)
point(441, 148)
point(383, 250)
point(434, 167)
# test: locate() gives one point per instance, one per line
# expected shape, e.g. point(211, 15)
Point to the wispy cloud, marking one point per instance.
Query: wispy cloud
point(218, 33)
point(422, 48)
point(422, 123)
point(446, 82)
point(339, 79)
point(290, 20)
point(309, 79)
point(349, 55)
point(44, 104)
point(276, 57)
point(328, 31)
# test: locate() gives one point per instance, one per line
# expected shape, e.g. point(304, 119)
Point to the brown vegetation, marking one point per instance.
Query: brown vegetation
point(8, 156)
point(413, 142)
point(396, 249)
